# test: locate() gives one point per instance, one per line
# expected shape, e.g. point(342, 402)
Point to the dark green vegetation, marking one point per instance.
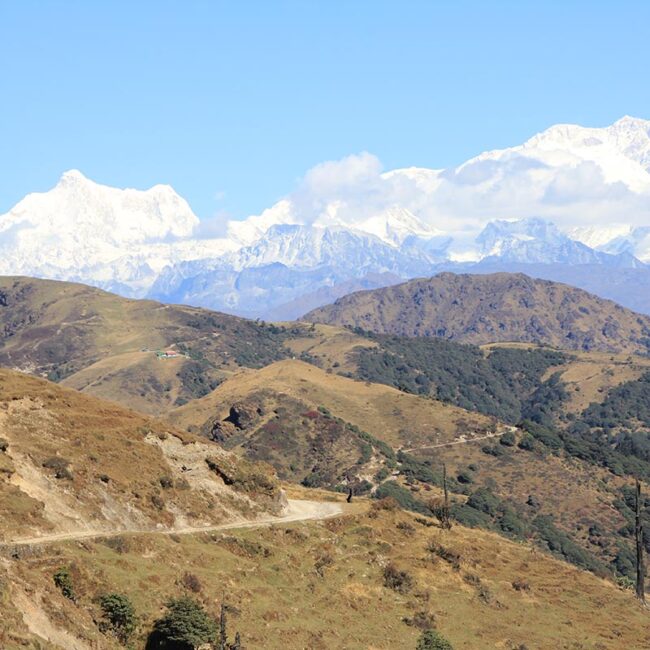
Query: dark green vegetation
point(506, 382)
point(432, 640)
point(185, 626)
point(119, 617)
point(63, 580)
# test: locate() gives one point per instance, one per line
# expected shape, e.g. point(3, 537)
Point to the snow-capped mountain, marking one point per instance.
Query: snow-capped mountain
point(570, 197)
point(536, 241)
point(118, 239)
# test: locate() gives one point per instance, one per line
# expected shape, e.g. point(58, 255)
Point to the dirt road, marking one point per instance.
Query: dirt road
point(297, 510)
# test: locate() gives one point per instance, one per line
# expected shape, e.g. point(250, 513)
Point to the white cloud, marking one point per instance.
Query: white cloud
point(554, 175)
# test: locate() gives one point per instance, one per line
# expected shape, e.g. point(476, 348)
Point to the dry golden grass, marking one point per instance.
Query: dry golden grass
point(76, 463)
point(591, 375)
point(282, 600)
point(398, 418)
point(330, 345)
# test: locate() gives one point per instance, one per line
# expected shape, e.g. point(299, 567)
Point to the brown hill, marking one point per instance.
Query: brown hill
point(74, 463)
point(57, 329)
point(492, 308)
point(320, 428)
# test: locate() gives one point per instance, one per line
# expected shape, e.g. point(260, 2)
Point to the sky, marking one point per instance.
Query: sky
point(232, 103)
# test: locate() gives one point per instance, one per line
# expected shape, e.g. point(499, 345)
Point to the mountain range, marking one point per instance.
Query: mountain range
point(572, 203)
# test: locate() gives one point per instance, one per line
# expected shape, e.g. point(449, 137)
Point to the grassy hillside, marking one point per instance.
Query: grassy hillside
point(397, 418)
point(59, 329)
point(371, 580)
point(70, 463)
point(493, 308)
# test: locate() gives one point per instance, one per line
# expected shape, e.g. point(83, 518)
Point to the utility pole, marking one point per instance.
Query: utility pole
point(638, 531)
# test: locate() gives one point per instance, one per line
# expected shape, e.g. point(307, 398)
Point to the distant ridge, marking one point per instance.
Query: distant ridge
point(498, 307)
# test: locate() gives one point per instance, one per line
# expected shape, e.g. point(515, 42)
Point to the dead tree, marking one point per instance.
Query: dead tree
point(446, 517)
point(223, 635)
point(638, 533)
point(441, 510)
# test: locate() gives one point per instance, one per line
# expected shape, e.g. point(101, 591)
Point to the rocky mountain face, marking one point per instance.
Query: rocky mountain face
point(570, 196)
point(492, 308)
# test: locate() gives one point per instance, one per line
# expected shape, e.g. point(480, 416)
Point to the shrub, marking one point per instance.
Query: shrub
point(527, 443)
point(451, 557)
point(185, 626)
point(508, 439)
point(119, 616)
point(432, 640)
point(60, 467)
point(166, 482)
point(63, 580)
point(406, 528)
point(521, 584)
point(4, 445)
point(465, 477)
point(401, 581)
point(492, 450)
point(401, 496)
point(191, 582)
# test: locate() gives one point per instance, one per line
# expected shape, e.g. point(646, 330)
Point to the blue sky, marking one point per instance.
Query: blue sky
point(232, 102)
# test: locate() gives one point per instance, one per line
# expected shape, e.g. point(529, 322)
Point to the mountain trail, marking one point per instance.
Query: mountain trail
point(463, 441)
point(297, 510)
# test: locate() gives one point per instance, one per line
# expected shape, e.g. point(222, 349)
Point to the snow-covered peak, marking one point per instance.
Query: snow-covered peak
point(81, 211)
point(619, 153)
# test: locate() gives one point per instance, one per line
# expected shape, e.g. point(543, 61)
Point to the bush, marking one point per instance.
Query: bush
point(508, 439)
point(119, 616)
point(401, 581)
point(166, 482)
point(402, 496)
point(185, 626)
point(63, 580)
point(465, 478)
point(191, 582)
point(432, 640)
point(451, 557)
point(521, 584)
point(60, 467)
point(527, 443)
point(4, 445)
point(493, 450)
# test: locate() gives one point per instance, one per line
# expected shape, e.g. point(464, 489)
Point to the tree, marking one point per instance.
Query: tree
point(432, 640)
point(119, 616)
point(185, 626)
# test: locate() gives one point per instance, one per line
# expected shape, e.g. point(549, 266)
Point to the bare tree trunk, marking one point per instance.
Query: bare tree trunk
point(638, 529)
point(446, 519)
point(223, 641)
